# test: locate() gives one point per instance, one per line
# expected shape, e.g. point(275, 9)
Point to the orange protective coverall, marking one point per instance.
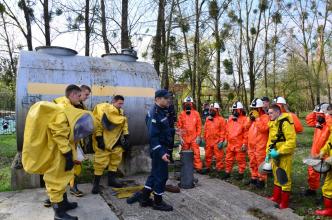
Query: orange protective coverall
point(297, 123)
point(214, 132)
point(319, 140)
point(258, 135)
point(191, 126)
point(236, 136)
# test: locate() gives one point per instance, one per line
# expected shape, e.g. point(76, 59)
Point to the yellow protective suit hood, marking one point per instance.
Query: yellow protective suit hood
point(116, 118)
point(49, 127)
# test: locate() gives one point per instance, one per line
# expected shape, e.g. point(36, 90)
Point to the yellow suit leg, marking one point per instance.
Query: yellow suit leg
point(56, 178)
point(327, 187)
point(115, 158)
point(286, 164)
point(101, 161)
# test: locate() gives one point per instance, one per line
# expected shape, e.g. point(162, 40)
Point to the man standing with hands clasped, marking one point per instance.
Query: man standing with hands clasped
point(159, 133)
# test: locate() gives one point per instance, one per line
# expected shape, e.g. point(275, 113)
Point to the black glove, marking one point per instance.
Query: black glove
point(320, 120)
point(100, 141)
point(69, 160)
point(125, 142)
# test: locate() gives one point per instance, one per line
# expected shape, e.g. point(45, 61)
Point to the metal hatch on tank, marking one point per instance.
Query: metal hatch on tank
point(44, 74)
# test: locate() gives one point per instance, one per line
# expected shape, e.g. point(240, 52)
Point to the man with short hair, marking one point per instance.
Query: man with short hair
point(72, 96)
point(280, 148)
point(159, 133)
point(85, 93)
point(266, 103)
point(110, 140)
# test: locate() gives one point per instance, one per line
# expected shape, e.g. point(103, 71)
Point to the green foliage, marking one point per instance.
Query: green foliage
point(228, 65)
point(263, 5)
point(226, 86)
point(214, 9)
point(253, 31)
point(277, 17)
point(2, 8)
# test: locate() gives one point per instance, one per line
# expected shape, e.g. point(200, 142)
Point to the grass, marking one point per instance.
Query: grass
point(7, 154)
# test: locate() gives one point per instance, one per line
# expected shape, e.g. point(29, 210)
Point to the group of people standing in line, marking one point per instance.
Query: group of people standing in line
point(266, 134)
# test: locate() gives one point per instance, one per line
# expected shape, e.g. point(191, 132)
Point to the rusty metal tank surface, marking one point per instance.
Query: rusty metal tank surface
point(44, 76)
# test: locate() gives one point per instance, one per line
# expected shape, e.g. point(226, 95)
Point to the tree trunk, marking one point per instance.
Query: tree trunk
point(28, 35)
point(125, 42)
point(103, 26)
point(157, 40)
point(47, 23)
point(185, 44)
point(166, 46)
point(87, 28)
point(218, 80)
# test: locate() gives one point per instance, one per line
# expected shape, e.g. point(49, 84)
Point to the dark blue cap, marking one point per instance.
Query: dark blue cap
point(162, 93)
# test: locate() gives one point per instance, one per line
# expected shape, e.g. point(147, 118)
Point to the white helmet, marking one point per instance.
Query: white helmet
point(215, 105)
point(280, 100)
point(323, 107)
point(256, 103)
point(237, 105)
point(188, 99)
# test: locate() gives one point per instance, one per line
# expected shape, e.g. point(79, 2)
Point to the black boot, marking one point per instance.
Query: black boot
point(60, 212)
point(112, 181)
point(95, 188)
point(75, 191)
point(146, 200)
point(135, 198)
point(68, 205)
point(47, 203)
point(239, 176)
point(251, 182)
point(260, 184)
point(160, 205)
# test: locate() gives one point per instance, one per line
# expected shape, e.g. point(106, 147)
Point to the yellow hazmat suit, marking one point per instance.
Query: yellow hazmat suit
point(48, 135)
point(111, 157)
point(285, 148)
point(327, 187)
point(63, 100)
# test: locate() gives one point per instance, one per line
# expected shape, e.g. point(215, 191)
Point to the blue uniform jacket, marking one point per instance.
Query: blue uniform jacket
point(159, 130)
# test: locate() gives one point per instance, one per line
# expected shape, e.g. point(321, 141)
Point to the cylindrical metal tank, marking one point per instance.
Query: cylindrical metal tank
point(45, 73)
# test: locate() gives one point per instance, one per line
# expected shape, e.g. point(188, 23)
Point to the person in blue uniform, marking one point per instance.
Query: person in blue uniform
point(171, 116)
point(159, 132)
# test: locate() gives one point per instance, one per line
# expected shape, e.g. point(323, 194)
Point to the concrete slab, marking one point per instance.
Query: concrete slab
point(28, 205)
point(210, 199)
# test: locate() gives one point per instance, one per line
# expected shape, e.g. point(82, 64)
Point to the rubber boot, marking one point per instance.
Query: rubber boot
point(276, 194)
point(260, 184)
point(47, 203)
point(146, 200)
point(160, 205)
point(284, 200)
point(75, 191)
point(239, 176)
point(60, 212)
point(327, 211)
point(95, 188)
point(68, 205)
point(251, 182)
point(112, 181)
